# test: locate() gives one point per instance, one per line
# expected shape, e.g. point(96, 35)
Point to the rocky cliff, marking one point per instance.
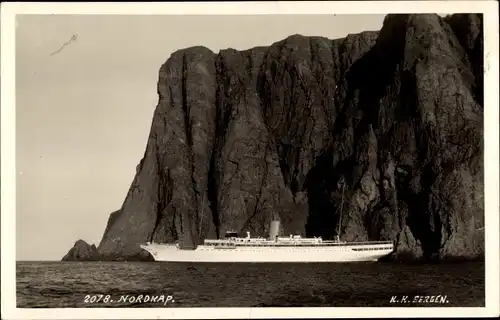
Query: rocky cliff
point(387, 124)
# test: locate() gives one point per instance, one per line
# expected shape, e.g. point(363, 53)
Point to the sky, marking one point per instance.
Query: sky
point(85, 97)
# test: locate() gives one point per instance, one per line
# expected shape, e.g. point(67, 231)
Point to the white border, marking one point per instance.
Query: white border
point(8, 205)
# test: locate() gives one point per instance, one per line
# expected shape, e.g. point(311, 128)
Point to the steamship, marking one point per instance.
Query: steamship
point(274, 249)
point(294, 248)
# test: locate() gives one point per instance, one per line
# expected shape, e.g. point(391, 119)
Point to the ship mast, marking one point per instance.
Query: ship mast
point(340, 218)
point(201, 217)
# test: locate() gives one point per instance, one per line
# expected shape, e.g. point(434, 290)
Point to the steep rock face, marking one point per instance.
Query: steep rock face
point(82, 251)
point(385, 127)
point(468, 29)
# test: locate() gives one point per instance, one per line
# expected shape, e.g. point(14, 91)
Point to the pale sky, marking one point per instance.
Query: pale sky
point(84, 113)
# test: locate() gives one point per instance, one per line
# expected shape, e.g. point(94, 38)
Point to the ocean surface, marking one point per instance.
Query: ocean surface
point(121, 284)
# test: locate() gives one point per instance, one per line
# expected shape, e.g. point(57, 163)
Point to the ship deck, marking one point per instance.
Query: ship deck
point(293, 244)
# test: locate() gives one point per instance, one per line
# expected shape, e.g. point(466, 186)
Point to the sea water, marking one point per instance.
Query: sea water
point(167, 285)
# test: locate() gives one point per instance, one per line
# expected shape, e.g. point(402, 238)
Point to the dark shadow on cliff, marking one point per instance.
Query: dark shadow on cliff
point(323, 213)
point(365, 84)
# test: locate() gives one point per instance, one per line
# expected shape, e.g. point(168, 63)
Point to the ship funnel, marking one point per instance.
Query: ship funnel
point(274, 229)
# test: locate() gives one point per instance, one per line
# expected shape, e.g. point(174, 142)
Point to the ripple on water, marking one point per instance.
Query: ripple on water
point(58, 284)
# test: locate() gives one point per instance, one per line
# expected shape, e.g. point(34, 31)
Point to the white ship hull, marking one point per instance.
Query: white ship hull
point(331, 253)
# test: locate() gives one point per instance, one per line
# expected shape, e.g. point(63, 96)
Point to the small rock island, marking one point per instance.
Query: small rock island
point(240, 138)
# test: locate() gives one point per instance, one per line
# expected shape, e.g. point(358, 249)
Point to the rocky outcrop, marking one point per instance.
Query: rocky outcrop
point(82, 251)
point(385, 127)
